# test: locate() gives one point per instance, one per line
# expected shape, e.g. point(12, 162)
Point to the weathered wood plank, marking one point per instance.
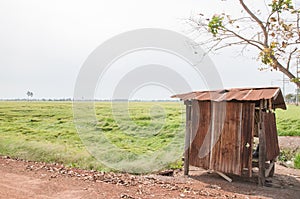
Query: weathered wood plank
point(199, 154)
point(187, 138)
point(225, 134)
point(247, 133)
point(272, 148)
point(226, 151)
point(262, 146)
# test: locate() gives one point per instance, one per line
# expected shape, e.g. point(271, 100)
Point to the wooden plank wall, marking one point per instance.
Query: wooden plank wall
point(247, 131)
point(272, 148)
point(225, 155)
point(220, 132)
point(201, 118)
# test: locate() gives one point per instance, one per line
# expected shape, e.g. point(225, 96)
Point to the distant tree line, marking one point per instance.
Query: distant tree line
point(292, 98)
point(97, 100)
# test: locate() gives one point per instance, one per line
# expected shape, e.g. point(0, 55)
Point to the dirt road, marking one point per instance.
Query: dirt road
point(22, 179)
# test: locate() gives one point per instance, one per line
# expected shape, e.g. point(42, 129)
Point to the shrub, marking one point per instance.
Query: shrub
point(297, 161)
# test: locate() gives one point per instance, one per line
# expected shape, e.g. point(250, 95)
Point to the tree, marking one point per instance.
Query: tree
point(292, 98)
point(29, 94)
point(274, 33)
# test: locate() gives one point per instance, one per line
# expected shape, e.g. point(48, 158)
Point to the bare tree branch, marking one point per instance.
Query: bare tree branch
point(298, 26)
point(289, 59)
point(249, 41)
point(257, 20)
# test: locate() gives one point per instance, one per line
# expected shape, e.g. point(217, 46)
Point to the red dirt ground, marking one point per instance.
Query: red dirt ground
point(23, 179)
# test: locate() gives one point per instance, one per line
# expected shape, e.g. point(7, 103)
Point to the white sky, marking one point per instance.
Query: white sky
point(43, 43)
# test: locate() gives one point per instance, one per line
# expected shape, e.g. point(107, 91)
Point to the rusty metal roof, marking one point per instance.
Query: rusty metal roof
point(237, 94)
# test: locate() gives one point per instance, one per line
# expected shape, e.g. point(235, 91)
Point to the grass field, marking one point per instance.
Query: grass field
point(44, 131)
point(288, 121)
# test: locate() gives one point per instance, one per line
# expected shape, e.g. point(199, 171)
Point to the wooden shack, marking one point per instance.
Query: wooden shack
point(221, 126)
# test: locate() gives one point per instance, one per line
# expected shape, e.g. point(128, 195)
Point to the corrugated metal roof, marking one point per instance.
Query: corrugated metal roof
point(237, 94)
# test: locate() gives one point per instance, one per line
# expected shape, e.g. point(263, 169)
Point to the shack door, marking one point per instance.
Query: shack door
point(222, 136)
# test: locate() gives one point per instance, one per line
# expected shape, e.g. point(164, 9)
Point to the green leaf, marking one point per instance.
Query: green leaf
point(295, 80)
point(215, 24)
point(280, 5)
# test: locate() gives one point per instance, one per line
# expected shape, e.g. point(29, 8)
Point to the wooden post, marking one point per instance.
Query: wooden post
point(187, 137)
point(262, 146)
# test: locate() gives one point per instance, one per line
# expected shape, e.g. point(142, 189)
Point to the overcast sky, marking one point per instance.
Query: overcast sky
point(43, 43)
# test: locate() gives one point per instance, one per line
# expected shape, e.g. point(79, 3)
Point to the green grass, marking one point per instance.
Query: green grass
point(297, 161)
point(288, 121)
point(44, 131)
